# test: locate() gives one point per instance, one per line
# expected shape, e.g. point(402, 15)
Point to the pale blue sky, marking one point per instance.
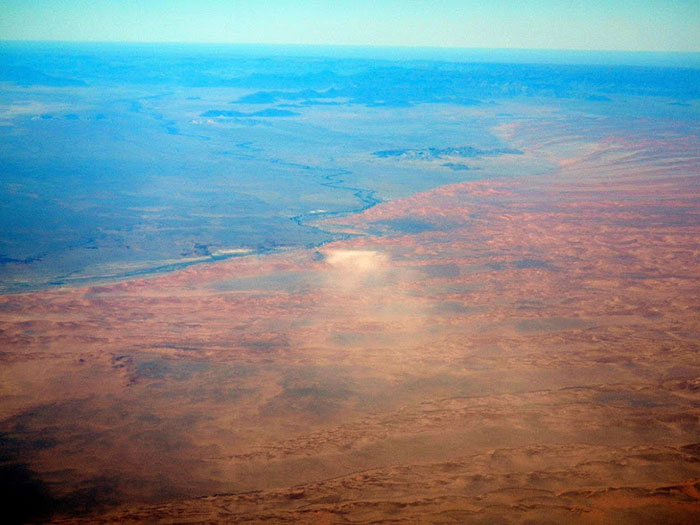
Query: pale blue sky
point(652, 25)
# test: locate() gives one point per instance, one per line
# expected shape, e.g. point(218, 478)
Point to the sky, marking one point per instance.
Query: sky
point(625, 25)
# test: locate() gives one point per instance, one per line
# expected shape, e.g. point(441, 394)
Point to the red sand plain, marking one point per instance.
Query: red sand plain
point(529, 352)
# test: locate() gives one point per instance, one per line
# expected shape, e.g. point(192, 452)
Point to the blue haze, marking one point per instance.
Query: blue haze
point(128, 159)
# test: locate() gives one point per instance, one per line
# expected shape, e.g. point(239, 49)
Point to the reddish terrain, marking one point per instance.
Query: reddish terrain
point(527, 349)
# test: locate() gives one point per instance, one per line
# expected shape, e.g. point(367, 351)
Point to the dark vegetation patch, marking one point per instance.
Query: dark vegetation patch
point(314, 391)
point(522, 264)
point(265, 343)
point(629, 398)
point(406, 225)
point(271, 97)
point(152, 370)
point(153, 367)
point(457, 166)
point(439, 153)
point(456, 307)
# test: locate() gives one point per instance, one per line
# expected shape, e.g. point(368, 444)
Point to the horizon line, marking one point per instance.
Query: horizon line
point(350, 46)
point(400, 53)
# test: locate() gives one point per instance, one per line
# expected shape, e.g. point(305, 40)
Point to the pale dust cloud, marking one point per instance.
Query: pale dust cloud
point(367, 293)
point(353, 269)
